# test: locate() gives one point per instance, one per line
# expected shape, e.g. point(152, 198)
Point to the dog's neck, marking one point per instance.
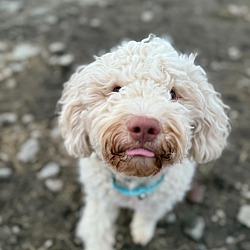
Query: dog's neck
point(132, 182)
point(137, 187)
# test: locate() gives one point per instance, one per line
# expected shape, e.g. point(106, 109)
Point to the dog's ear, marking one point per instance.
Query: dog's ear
point(211, 127)
point(72, 120)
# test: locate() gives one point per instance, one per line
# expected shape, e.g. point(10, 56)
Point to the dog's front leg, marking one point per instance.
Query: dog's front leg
point(143, 225)
point(96, 225)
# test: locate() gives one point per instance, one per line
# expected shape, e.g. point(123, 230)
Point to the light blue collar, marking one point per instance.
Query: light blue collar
point(140, 191)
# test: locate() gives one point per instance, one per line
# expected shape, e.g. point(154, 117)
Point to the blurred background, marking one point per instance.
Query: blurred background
point(42, 43)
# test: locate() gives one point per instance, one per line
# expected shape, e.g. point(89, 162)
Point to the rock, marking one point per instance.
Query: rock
point(4, 157)
point(244, 215)
point(36, 134)
point(28, 150)
point(196, 229)
point(49, 170)
point(17, 67)
point(95, 23)
point(171, 218)
point(65, 60)
point(27, 118)
point(50, 19)
point(201, 247)
point(230, 240)
point(5, 74)
point(219, 217)
point(56, 47)
point(7, 118)
point(10, 6)
point(234, 53)
point(196, 194)
point(237, 10)
point(5, 173)
point(54, 185)
point(16, 229)
point(24, 51)
point(147, 16)
point(48, 244)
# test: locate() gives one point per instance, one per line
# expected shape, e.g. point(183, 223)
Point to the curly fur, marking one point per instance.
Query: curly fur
point(93, 121)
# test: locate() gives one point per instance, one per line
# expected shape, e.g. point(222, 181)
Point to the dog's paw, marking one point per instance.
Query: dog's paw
point(142, 235)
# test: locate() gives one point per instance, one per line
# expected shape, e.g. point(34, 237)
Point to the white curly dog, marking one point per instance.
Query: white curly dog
point(139, 118)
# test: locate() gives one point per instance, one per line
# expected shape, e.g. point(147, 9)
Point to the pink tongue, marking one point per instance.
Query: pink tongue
point(140, 151)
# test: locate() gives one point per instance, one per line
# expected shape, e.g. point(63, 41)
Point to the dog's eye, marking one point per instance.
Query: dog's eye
point(173, 95)
point(116, 88)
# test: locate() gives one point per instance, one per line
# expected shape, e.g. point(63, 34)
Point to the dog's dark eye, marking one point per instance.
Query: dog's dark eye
point(173, 95)
point(117, 89)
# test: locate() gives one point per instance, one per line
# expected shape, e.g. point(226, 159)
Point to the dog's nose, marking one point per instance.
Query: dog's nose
point(143, 129)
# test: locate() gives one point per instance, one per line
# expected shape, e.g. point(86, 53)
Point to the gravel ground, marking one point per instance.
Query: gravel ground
point(41, 44)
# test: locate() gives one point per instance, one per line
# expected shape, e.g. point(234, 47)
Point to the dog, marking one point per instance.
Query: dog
point(139, 118)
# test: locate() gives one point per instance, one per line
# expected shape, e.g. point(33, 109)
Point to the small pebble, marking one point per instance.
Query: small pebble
point(48, 244)
point(56, 47)
point(4, 157)
point(234, 53)
point(7, 118)
point(5, 173)
point(171, 218)
point(95, 23)
point(201, 247)
point(230, 240)
point(17, 67)
point(50, 19)
point(5, 74)
point(244, 215)
point(51, 169)
point(24, 51)
point(66, 60)
point(27, 118)
point(196, 230)
point(147, 16)
point(28, 150)
point(11, 7)
point(54, 185)
point(237, 10)
point(16, 229)
point(196, 194)
point(36, 134)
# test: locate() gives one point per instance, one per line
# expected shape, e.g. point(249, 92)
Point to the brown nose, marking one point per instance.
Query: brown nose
point(143, 129)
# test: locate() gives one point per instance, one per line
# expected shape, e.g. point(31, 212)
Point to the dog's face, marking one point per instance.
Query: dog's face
point(143, 107)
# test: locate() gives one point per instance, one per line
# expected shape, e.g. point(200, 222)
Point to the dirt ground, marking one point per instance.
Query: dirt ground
point(40, 212)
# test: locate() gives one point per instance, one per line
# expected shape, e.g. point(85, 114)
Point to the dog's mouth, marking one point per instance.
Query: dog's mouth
point(140, 152)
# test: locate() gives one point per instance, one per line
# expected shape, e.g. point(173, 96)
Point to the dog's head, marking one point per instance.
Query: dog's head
point(142, 107)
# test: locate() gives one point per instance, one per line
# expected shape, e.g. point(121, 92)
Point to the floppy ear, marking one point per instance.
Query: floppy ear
point(72, 120)
point(211, 127)
point(210, 124)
